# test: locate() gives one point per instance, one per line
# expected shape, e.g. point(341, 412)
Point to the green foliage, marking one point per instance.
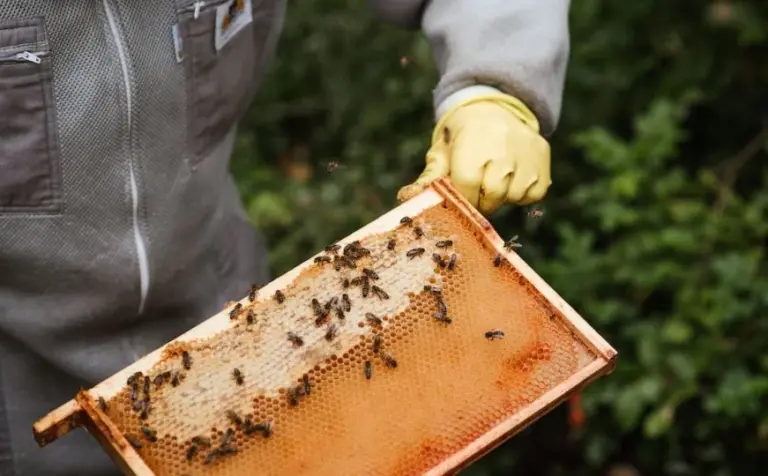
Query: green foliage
point(656, 227)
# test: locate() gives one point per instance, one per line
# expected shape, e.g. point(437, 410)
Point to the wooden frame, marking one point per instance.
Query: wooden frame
point(82, 410)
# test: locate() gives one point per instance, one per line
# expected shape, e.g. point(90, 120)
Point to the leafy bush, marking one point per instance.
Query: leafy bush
point(656, 226)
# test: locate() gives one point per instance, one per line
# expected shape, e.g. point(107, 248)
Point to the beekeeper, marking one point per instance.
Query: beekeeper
point(120, 224)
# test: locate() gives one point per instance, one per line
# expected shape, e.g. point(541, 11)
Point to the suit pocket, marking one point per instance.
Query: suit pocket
point(30, 169)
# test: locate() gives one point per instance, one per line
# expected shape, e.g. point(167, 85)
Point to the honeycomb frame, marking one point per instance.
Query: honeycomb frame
point(595, 359)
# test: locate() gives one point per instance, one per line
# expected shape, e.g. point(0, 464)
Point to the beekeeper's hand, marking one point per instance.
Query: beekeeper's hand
point(489, 145)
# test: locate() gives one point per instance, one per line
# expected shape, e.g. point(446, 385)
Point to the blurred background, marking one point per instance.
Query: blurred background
point(655, 228)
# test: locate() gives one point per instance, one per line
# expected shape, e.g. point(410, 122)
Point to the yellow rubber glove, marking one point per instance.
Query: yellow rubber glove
point(491, 149)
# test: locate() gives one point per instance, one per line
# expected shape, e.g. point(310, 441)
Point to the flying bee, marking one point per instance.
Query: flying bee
point(370, 274)
point(536, 213)
point(201, 441)
point(444, 244)
point(357, 281)
point(415, 252)
point(494, 334)
point(235, 311)
point(373, 319)
point(366, 288)
point(391, 244)
point(345, 283)
point(295, 339)
point(186, 360)
point(134, 441)
point(191, 452)
point(379, 292)
point(452, 262)
point(512, 243)
point(368, 370)
point(238, 376)
point(331, 166)
point(406, 221)
point(249, 318)
point(265, 428)
point(441, 317)
point(306, 383)
point(376, 344)
point(294, 394)
point(176, 378)
point(253, 292)
point(438, 259)
point(279, 297)
point(322, 259)
point(332, 249)
point(149, 434)
point(234, 417)
point(389, 360)
point(497, 260)
point(102, 404)
point(418, 232)
point(331, 333)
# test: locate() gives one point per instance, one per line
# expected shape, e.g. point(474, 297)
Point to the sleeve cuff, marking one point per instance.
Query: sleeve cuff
point(462, 95)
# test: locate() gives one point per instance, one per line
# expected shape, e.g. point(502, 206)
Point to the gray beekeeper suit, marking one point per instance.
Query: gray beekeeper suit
point(120, 225)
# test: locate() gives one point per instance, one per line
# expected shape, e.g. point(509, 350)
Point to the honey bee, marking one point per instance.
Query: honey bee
point(345, 283)
point(176, 378)
point(238, 376)
point(159, 380)
point(212, 456)
point(406, 221)
point(191, 452)
point(415, 252)
point(376, 344)
point(497, 260)
point(294, 394)
point(389, 360)
point(366, 288)
point(133, 379)
point(265, 428)
point(340, 314)
point(227, 450)
point(379, 292)
point(138, 405)
point(322, 259)
point(133, 441)
point(253, 292)
point(536, 213)
point(102, 404)
point(332, 249)
point(357, 281)
point(227, 437)
point(331, 166)
point(441, 305)
point(249, 318)
point(234, 418)
point(444, 244)
point(321, 319)
point(351, 246)
point(235, 311)
point(337, 263)
point(146, 408)
point(346, 303)
point(279, 297)
point(146, 384)
point(452, 262)
point(494, 334)
point(391, 244)
point(512, 243)
point(438, 259)
point(370, 274)
point(331, 333)
point(201, 441)
point(316, 307)
point(432, 289)
point(373, 319)
point(441, 317)
point(307, 385)
point(295, 339)
point(149, 434)
point(368, 370)
point(418, 232)
point(332, 303)
point(349, 262)
point(186, 360)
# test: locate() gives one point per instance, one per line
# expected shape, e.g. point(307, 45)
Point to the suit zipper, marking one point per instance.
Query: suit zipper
point(141, 250)
point(25, 56)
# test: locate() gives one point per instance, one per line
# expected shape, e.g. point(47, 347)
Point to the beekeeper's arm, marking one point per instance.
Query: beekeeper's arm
point(502, 66)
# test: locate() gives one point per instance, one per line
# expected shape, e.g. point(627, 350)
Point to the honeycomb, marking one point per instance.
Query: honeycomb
point(446, 384)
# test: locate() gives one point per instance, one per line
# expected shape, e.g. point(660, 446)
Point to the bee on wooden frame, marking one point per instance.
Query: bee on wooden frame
point(265, 428)
point(368, 370)
point(145, 410)
point(249, 318)
point(497, 260)
point(346, 303)
point(331, 333)
point(379, 293)
point(234, 418)
point(295, 339)
point(494, 334)
point(176, 378)
point(102, 404)
point(376, 347)
point(366, 288)
point(438, 259)
point(238, 376)
point(345, 283)
point(371, 274)
point(332, 249)
point(235, 311)
point(452, 262)
point(418, 232)
point(294, 394)
point(415, 252)
point(391, 244)
point(322, 259)
point(133, 441)
point(146, 384)
point(373, 319)
point(191, 452)
point(149, 434)
point(406, 221)
point(279, 297)
point(444, 244)
point(253, 292)
point(186, 360)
